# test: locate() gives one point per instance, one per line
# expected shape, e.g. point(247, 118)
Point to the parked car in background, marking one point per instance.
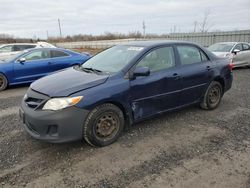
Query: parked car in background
point(120, 86)
point(32, 64)
point(237, 52)
point(8, 50)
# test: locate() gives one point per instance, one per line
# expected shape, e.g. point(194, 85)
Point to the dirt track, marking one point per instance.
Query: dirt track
point(190, 148)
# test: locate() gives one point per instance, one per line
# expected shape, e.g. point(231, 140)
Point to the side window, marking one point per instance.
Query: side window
point(8, 48)
point(36, 55)
point(190, 55)
point(23, 47)
point(246, 47)
point(238, 47)
point(17, 48)
point(158, 59)
point(56, 53)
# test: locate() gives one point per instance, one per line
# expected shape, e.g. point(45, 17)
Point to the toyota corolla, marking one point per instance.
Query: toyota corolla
point(120, 86)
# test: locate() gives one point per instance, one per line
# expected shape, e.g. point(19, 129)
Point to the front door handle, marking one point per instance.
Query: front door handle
point(208, 68)
point(50, 63)
point(176, 76)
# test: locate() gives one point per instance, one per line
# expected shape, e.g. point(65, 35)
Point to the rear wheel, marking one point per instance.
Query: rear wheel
point(103, 125)
point(3, 82)
point(212, 96)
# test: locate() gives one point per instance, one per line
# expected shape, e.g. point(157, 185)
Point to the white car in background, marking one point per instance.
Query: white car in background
point(238, 52)
point(8, 50)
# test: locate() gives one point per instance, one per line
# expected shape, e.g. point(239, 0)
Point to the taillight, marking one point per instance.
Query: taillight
point(231, 66)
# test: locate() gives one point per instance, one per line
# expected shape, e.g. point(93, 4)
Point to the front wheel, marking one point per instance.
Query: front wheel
point(212, 96)
point(103, 125)
point(3, 82)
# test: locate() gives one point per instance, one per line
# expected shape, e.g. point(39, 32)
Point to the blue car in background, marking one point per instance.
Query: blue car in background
point(33, 64)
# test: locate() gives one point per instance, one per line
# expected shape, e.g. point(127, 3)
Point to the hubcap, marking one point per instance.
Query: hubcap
point(1, 82)
point(214, 95)
point(107, 126)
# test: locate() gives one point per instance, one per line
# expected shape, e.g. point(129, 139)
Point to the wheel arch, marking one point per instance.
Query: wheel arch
point(221, 81)
point(125, 111)
point(5, 75)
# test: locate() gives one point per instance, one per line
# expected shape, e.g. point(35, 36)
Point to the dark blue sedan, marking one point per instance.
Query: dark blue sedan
point(120, 86)
point(30, 65)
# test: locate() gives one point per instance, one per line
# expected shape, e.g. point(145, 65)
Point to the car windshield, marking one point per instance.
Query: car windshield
point(13, 57)
point(113, 59)
point(221, 47)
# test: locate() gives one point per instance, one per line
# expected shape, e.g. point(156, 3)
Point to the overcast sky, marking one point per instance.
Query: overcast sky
point(29, 18)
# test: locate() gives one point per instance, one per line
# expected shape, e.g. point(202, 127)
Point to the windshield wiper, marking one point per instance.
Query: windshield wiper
point(89, 69)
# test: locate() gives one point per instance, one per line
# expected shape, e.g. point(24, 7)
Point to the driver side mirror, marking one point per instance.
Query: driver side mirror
point(21, 60)
point(235, 51)
point(141, 71)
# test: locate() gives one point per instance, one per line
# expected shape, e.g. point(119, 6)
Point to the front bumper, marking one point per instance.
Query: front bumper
point(53, 126)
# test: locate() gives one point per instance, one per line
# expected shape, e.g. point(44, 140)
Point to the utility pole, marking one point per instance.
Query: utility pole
point(144, 29)
point(195, 25)
point(60, 30)
point(47, 34)
point(174, 29)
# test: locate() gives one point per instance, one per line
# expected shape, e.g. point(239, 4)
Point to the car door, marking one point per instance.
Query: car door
point(160, 91)
point(60, 59)
point(196, 71)
point(238, 58)
point(32, 65)
point(245, 53)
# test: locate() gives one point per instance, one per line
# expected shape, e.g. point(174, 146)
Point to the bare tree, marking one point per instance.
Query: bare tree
point(205, 24)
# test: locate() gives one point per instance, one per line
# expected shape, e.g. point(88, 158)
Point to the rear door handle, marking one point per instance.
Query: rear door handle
point(50, 63)
point(208, 68)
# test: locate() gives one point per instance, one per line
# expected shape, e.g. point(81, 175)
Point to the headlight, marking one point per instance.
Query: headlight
point(61, 103)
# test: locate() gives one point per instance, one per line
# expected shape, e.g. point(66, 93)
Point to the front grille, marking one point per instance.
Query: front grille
point(35, 100)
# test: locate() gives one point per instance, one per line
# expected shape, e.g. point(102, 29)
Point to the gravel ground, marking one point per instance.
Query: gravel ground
point(189, 148)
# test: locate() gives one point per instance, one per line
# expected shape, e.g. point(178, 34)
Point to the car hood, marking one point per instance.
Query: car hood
point(67, 82)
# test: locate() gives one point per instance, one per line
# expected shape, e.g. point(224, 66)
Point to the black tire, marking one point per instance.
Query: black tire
point(212, 96)
point(3, 82)
point(103, 125)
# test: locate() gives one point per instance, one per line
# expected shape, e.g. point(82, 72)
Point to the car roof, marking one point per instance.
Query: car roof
point(226, 42)
point(33, 49)
point(152, 43)
point(231, 43)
